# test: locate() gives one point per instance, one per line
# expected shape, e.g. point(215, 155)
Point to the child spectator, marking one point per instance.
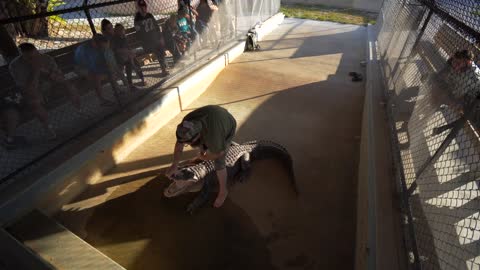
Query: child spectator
point(185, 31)
point(124, 56)
point(169, 32)
point(90, 61)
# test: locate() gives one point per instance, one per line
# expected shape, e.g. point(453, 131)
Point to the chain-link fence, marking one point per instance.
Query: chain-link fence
point(137, 59)
point(429, 50)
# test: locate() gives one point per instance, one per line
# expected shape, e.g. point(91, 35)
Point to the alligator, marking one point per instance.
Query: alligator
point(238, 159)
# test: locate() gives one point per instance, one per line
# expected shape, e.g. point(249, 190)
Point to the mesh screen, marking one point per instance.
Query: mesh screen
point(429, 58)
point(58, 27)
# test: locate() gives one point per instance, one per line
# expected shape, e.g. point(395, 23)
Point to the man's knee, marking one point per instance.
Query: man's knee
point(220, 163)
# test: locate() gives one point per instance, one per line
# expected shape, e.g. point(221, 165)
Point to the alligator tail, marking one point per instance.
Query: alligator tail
point(271, 150)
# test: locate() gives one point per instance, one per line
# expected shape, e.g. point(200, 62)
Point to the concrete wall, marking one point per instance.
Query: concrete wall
point(369, 5)
point(379, 240)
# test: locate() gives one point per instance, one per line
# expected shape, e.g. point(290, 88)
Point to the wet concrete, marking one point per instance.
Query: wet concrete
point(297, 92)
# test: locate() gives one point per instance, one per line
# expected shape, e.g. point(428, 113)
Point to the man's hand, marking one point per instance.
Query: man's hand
point(171, 171)
point(202, 155)
point(177, 152)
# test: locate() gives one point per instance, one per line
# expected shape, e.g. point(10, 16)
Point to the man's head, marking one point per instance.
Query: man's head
point(142, 7)
point(100, 41)
point(462, 60)
point(119, 30)
point(182, 13)
point(189, 132)
point(29, 52)
point(107, 27)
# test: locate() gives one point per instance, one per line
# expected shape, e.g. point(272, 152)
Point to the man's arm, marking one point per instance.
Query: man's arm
point(177, 155)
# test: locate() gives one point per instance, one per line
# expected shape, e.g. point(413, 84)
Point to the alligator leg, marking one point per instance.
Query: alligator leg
point(245, 168)
point(201, 198)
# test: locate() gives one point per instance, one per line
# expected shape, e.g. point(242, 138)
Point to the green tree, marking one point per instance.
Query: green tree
point(30, 28)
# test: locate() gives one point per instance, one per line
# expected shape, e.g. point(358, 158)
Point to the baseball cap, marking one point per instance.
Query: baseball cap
point(188, 130)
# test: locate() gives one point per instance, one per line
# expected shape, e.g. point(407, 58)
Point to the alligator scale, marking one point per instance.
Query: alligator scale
point(238, 163)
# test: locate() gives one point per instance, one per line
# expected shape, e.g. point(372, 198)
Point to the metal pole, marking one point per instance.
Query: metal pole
point(8, 47)
point(236, 20)
point(415, 44)
point(89, 17)
point(457, 125)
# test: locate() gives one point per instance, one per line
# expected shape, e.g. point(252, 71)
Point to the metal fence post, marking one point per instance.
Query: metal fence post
point(8, 47)
point(236, 18)
point(89, 17)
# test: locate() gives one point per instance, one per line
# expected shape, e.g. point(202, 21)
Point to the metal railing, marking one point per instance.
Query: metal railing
point(428, 53)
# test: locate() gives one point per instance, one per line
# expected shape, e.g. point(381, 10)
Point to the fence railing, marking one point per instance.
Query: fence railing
point(429, 50)
point(58, 27)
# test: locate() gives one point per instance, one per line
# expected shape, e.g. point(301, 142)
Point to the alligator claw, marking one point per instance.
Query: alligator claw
point(191, 208)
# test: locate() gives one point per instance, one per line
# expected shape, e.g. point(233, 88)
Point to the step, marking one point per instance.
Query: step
point(57, 245)
point(14, 255)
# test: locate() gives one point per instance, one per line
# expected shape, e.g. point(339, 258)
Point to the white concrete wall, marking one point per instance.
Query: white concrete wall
point(369, 5)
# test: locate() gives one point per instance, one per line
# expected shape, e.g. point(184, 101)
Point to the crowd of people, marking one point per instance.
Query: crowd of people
point(107, 57)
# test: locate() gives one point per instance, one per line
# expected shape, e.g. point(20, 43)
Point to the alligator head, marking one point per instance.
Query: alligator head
point(184, 180)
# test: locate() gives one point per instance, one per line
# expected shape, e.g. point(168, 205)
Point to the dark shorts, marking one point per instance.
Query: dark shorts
point(220, 162)
point(13, 101)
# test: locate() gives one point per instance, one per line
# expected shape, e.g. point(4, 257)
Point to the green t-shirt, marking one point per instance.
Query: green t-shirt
point(218, 127)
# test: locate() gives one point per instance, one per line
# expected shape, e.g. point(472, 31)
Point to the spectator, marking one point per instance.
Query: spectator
point(90, 61)
point(184, 36)
point(150, 34)
point(183, 25)
point(462, 76)
point(191, 13)
point(226, 19)
point(108, 32)
point(31, 70)
point(205, 12)
point(124, 56)
point(107, 29)
point(169, 32)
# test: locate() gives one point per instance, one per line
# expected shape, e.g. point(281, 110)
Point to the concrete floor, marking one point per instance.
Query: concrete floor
point(297, 92)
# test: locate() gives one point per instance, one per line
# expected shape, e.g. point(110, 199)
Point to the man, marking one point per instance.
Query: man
point(462, 77)
point(30, 71)
point(150, 34)
point(90, 60)
point(210, 128)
